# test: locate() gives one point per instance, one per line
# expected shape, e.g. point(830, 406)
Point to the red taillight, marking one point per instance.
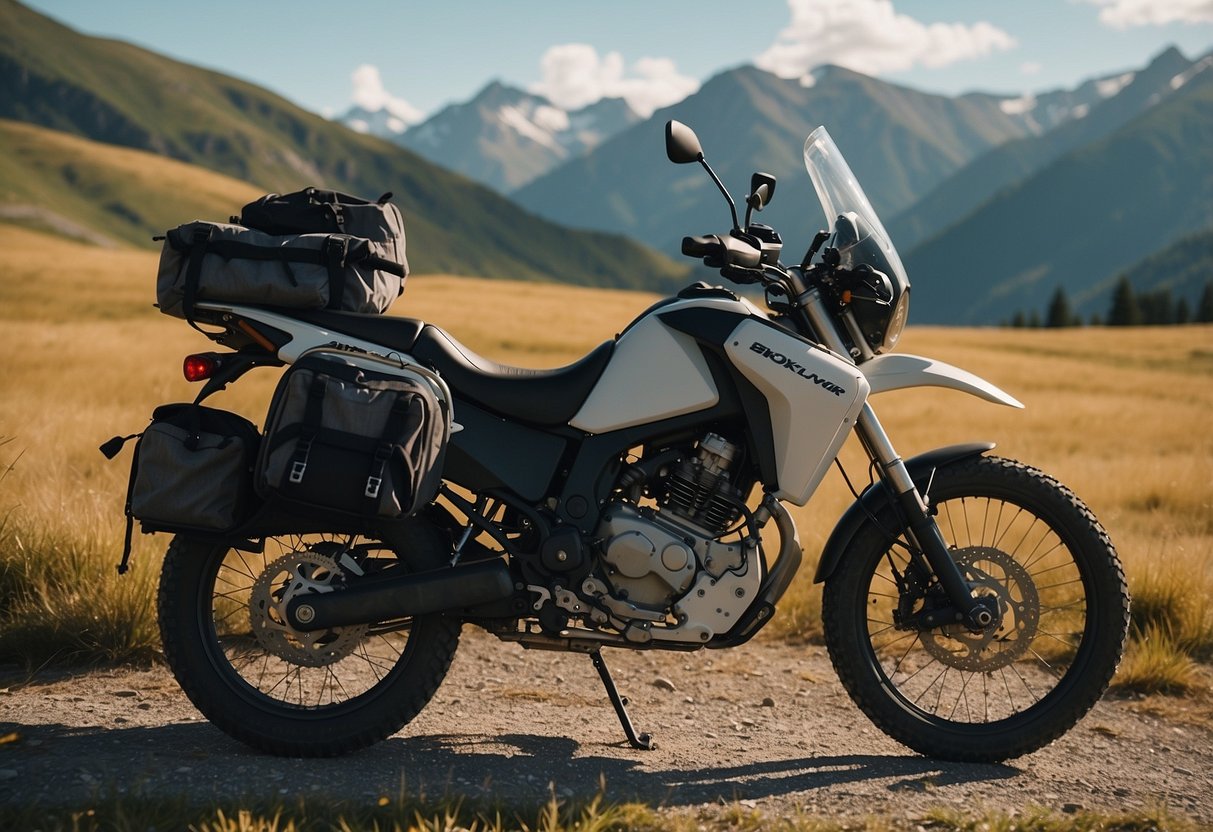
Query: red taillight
point(199, 367)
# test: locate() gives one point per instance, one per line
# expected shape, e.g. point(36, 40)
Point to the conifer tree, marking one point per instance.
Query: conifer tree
point(1059, 314)
point(1124, 311)
point(1204, 309)
point(1183, 313)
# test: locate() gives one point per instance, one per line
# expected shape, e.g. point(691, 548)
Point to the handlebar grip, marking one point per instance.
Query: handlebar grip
point(706, 246)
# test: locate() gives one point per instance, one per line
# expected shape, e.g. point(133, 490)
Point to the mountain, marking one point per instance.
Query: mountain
point(503, 137)
point(1079, 221)
point(382, 123)
point(101, 193)
point(1096, 109)
point(120, 94)
point(900, 142)
point(1182, 268)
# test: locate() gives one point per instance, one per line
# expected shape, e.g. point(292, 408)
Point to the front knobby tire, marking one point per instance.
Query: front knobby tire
point(1022, 537)
point(309, 696)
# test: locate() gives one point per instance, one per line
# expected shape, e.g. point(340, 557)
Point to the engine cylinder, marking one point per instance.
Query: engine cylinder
point(699, 490)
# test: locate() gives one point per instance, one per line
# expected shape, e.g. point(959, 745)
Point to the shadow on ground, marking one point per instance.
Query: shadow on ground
point(195, 759)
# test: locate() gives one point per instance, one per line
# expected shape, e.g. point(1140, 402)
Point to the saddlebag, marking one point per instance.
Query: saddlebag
point(192, 471)
point(344, 437)
point(307, 250)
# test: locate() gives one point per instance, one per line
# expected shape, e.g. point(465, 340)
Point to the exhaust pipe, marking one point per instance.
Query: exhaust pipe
point(421, 593)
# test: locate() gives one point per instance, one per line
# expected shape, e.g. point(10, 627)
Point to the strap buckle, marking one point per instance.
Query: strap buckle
point(373, 485)
point(297, 469)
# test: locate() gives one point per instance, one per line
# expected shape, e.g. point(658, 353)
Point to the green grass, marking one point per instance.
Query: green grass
point(125, 196)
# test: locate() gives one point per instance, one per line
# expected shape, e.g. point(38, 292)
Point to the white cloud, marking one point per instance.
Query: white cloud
point(1121, 14)
point(370, 94)
point(869, 36)
point(1030, 68)
point(575, 76)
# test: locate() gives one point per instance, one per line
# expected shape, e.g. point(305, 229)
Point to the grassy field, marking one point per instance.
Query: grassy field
point(1119, 415)
point(406, 815)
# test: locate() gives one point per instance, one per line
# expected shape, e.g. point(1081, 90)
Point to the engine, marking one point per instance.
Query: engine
point(664, 568)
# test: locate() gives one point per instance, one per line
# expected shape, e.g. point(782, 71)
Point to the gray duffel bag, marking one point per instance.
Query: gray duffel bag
point(203, 261)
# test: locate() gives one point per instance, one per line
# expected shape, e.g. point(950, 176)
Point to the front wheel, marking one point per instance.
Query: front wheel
point(283, 691)
point(1022, 540)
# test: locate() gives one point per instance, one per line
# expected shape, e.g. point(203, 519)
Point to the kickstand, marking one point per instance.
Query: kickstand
point(644, 742)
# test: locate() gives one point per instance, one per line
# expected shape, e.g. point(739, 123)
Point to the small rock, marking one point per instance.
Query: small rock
point(1071, 808)
point(126, 693)
point(144, 706)
point(768, 702)
point(1121, 791)
point(749, 723)
point(1179, 770)
point(663, 683)
point(121, 719)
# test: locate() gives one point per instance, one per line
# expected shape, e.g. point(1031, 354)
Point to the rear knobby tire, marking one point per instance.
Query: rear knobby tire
point(365, 688)
point(1023, 537)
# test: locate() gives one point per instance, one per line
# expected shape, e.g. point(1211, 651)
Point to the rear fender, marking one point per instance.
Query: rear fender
point(876, 499)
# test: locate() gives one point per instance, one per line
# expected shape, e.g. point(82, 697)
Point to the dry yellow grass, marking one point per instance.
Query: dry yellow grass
point(1120, 415)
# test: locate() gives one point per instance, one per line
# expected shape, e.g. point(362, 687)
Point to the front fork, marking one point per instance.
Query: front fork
point(922, 531)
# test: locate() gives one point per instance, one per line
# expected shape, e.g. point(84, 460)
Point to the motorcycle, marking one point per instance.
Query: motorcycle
point(973, 607)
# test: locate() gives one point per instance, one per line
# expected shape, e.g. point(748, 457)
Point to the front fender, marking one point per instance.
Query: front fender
point(897, 372)
point(875, 498)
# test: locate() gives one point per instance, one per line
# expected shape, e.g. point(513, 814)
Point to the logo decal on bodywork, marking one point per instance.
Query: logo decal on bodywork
point(798, 369)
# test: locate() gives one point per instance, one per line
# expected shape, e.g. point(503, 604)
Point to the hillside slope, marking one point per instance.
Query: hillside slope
point(1079, 221)
point(959, 195)
point(120, 94)
point(102, 193)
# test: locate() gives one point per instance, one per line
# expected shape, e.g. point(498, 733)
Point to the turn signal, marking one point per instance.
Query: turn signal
point(199, 367)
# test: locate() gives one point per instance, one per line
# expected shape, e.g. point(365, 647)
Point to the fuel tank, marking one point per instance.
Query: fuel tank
point(656, 372)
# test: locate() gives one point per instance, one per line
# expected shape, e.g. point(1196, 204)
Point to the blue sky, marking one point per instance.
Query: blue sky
point(419, 56)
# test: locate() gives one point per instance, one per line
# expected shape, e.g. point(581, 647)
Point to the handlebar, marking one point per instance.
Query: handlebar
point(719, 251)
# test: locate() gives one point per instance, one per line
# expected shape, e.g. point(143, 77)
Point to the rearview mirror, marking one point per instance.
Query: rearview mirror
point(762, 191)
point(681, 144)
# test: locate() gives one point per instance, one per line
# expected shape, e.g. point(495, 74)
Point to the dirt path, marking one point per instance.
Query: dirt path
point(507, 723)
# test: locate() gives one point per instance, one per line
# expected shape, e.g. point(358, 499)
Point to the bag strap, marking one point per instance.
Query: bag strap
point(199, 243)
point(111, 448)
point(335, 250)
point(313, 412)
point(382, 264)
point(393, 429)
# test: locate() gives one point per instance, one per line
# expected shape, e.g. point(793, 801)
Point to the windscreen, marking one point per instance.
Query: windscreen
point(840, 193)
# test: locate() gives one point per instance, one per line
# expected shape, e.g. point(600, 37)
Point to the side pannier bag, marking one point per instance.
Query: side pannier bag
point(203, 261)
point(358, 441)
point(192, 471)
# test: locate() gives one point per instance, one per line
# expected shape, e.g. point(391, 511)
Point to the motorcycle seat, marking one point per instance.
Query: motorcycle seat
point(540, 397)
point(397, 333)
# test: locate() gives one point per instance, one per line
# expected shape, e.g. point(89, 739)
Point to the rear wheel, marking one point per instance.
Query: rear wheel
point(283, 691)
point(1031, 547)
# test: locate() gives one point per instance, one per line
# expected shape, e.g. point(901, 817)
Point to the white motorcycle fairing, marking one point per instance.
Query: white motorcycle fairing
point(658, 371)
point(897, 371)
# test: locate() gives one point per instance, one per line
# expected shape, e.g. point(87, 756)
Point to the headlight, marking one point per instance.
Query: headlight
point(897, 322)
